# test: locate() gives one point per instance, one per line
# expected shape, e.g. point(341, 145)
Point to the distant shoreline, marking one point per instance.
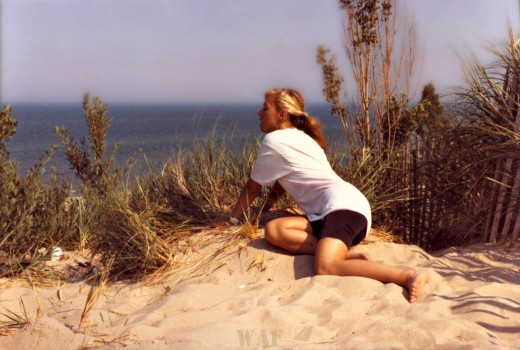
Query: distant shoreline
point(159, 130)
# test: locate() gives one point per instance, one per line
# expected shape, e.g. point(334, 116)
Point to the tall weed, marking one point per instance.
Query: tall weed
point(88, 159)
point(134, 228)
point(33, 215)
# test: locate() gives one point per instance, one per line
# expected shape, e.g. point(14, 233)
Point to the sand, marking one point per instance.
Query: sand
point(266, 298)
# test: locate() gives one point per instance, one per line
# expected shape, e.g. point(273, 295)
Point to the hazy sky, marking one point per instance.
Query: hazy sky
point(214, 50)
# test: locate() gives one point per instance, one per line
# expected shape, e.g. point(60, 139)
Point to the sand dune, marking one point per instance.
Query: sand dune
point(264, 297)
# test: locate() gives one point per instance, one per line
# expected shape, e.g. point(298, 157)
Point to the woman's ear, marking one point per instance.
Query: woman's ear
point(283, 115)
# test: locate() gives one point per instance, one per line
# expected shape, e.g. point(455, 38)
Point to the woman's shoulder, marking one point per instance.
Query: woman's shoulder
point(290, 139)
point(283, 135)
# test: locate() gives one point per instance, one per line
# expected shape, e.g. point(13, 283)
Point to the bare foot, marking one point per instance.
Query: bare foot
point(358, 253)
point(416, 282)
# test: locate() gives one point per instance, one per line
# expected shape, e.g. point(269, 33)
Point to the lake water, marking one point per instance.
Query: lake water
point(159, 130)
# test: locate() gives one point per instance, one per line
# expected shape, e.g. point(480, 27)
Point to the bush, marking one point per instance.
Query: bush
point(33, 216)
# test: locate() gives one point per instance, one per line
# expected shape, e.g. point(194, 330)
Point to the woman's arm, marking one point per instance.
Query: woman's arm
point(249, 192)
point(276, 193)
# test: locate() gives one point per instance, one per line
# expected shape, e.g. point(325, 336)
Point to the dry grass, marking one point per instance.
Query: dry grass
point(107, 340)
point(491, 105)
point(12, 319)
point(434, 178)
point(379, 235)
point(32, 214)
point(136, 229)
point(98, 284)
point(431, 186)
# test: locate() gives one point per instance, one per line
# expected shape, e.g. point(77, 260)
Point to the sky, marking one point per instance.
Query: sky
point(209, 51)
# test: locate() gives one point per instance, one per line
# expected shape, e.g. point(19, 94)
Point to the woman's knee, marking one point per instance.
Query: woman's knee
point(290, 233)
point(272, 231)
point(275, 231)
point(330, 254)
point(323, 267)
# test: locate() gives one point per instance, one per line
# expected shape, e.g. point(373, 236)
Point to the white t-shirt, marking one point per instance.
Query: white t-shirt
point(300, 166)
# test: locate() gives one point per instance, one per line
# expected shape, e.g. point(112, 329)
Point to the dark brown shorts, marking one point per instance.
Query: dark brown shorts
point(345, 225)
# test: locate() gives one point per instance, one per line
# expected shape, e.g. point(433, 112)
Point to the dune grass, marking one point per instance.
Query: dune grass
point(446, 177)
point(136, 227)
point(435, 177)
point(33, 215)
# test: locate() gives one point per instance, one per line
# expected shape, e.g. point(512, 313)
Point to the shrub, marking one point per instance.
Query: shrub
point(33, 215)
point(87, 159)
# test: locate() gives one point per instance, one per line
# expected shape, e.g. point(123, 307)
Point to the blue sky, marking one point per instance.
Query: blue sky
point(171, 51)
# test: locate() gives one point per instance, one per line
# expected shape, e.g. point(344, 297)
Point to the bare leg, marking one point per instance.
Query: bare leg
point(291, 233)
point(331, 259)
point(295, 235)
point(357, 252)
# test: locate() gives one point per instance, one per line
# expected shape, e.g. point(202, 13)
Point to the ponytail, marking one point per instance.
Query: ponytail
point(310, 126)
point(292, 101)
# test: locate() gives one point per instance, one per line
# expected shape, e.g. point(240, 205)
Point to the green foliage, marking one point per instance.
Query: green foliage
point(375, 116)
point(332, 81)
point(413, 164)
point(133, 244)
point(200, 181)
point(137, 230)
point(94, 171)
point(32, 215)
point(133, 229)
point(398, 124)
point(429, 177)
point(490, 108)
point(7, 130)
point(366, 14)
point(430, 113)
point(433, 179)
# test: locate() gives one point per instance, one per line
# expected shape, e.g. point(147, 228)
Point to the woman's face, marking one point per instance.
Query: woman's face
point(269, 120)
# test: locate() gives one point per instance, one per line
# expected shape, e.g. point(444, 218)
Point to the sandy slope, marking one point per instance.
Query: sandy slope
point(267, 298)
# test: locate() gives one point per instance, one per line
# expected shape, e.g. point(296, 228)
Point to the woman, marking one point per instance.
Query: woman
point(292, 159)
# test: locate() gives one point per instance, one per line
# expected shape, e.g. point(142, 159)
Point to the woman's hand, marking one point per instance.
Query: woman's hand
point(276, 193)
point(249, 192)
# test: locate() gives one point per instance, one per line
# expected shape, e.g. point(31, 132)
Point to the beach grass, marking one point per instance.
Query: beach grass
point(435, 176)
point(444, 170)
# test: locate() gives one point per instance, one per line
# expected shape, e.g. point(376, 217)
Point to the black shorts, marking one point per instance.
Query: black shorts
point(345, 225)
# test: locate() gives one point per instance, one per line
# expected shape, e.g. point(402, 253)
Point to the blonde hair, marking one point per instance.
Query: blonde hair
point(292, 101)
